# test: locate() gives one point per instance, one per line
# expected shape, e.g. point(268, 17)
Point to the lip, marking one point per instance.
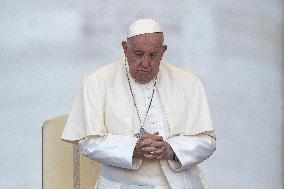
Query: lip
point(143, 71)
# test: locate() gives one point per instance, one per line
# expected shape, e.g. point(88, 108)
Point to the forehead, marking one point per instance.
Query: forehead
point(150, 40)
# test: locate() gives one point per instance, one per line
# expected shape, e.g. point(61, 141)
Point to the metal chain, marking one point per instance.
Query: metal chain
point(142, 130)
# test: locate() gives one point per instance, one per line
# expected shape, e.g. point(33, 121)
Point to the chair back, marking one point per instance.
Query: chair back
point(62, 165)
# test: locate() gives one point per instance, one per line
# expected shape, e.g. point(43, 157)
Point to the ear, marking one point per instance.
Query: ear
point(124, 46)
point(164, 48)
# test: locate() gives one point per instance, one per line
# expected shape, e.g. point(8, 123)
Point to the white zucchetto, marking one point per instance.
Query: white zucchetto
point(142, 26)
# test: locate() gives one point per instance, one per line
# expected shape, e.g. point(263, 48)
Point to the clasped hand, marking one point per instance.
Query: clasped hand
point(152, 146)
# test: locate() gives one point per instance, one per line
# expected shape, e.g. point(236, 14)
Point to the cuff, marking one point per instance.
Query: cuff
point(175, 165)
point(136, 163)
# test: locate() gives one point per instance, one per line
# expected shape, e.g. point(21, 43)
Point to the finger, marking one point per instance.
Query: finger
point(157, 144)
point(159, 157)
point(139, 143)
point(159, 151)
point(154, 146)
point(148, 149)
point(156, 137)
point(155, 133)
point(146, 142)
point(149, 156)
point(151, 142)
point(145, 135)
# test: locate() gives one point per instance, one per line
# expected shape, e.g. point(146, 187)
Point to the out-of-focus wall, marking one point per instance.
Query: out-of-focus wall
point(235, 47)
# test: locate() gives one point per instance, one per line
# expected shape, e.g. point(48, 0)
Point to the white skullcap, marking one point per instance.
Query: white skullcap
point(142, 26)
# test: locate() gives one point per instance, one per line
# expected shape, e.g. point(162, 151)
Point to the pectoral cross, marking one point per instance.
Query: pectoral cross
point(141, 132)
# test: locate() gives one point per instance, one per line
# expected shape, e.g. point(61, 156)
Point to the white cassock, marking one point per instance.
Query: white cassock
point(104, 119)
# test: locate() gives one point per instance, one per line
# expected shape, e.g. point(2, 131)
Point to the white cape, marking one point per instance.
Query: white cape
point(104, 106)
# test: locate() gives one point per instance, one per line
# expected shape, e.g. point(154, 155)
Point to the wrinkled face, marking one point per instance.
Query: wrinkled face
point(144, 54)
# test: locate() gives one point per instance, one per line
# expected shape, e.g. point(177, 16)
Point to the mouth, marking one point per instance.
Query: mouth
point(143, 71)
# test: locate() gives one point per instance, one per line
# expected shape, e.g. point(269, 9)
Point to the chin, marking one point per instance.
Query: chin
point(142, 81)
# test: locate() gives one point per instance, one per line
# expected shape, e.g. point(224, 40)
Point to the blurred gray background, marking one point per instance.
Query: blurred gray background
point(234, 46)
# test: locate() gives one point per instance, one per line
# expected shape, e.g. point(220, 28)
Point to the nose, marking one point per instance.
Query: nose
point(145, 61)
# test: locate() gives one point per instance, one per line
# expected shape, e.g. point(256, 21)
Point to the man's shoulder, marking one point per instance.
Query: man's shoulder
point(105, 71)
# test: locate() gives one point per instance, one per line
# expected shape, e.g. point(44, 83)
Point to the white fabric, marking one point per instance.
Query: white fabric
point(190, 177)
point(110, 109)
point(143, 26)
point(149, 172)
point(106, 183)
point(191, 150)
point(115, 150)
point(156, 119)
point(111, 119)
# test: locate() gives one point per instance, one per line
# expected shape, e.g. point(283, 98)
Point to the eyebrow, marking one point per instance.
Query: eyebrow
point(138, 51)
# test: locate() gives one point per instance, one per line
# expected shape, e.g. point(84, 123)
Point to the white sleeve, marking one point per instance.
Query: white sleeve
point(191, 150)
point(115, 150)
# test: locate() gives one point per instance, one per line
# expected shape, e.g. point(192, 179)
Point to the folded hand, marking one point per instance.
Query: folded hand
point(152, 146)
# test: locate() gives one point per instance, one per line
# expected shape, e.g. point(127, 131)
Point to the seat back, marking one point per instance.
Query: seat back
point(62, 165)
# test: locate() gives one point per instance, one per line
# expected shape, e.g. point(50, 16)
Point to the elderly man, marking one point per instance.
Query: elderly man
point(146, 122)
